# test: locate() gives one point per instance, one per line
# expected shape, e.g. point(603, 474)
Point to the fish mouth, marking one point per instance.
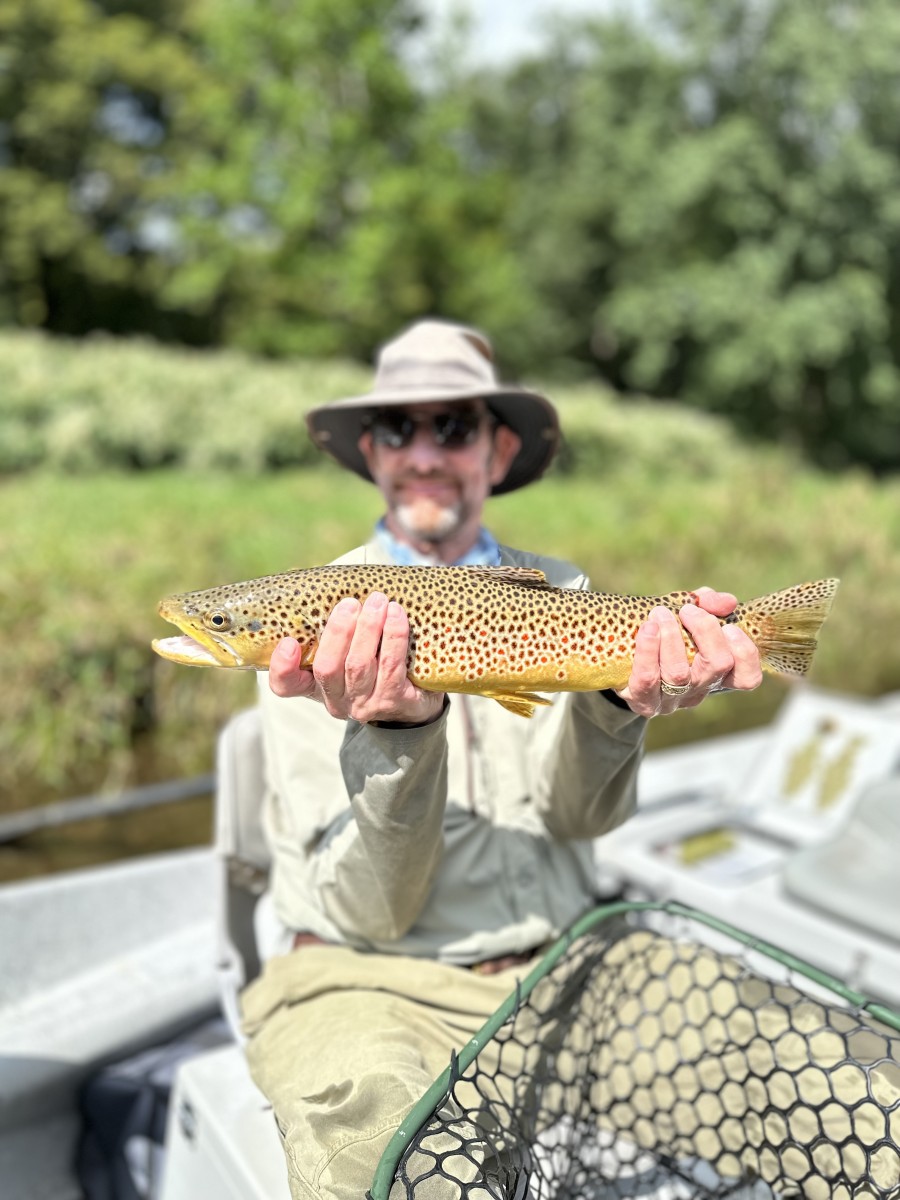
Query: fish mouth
point(189, 652)
point(193, 647)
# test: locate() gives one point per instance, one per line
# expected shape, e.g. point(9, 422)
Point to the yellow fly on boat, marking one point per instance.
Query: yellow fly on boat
point(502, 632)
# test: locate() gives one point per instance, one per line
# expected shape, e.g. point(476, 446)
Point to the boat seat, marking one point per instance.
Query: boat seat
point(221, 1137)
point(243, 859)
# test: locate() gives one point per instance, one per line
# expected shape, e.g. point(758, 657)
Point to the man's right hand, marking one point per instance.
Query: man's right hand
point(359, 670)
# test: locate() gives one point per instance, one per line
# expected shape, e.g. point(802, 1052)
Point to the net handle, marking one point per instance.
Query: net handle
point(424, 1108)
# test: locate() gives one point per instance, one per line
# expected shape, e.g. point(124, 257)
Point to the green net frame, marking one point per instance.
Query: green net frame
point(657, 1053)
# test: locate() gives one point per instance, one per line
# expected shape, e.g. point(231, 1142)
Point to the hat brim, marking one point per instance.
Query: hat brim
point(336, 428)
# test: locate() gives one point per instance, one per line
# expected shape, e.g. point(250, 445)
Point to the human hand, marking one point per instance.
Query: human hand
point(359, 669)
point(726, 658)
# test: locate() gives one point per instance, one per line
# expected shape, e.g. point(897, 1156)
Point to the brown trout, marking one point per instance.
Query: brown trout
point(502, 632)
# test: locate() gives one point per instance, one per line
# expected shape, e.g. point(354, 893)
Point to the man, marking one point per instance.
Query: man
point(426, 848)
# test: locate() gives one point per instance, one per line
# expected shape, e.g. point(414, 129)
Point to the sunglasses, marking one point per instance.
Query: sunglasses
point(451, 430)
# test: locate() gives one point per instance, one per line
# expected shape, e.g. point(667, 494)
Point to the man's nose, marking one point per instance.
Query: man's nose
point(423, 451)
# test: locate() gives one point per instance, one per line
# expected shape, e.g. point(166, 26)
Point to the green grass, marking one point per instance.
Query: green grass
point(646, 497)
point(85, 560)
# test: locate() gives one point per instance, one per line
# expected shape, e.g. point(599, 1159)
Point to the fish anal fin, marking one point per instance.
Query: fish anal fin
point(522, 704)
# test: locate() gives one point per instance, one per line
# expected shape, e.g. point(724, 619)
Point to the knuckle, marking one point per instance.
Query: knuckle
point(325, 678)
point(643, 683)
point(751, 680)
point(356, 665)
point(721, 665)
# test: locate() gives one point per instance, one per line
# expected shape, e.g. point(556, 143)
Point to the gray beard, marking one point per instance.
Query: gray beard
point(428, 523)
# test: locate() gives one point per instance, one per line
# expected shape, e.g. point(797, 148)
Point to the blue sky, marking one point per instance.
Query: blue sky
point(504, 29)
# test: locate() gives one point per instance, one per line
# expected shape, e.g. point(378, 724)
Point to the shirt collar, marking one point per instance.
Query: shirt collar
point(485, 552)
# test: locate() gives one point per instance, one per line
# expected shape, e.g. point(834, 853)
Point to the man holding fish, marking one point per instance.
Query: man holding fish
point(426, 848)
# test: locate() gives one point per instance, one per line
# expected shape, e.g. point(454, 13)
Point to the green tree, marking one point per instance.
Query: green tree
point(710, 210)
point(257, 172)
point(335, 200)
point(99, 108)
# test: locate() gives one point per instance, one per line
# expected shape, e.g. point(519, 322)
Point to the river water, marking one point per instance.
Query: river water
point(190, 822)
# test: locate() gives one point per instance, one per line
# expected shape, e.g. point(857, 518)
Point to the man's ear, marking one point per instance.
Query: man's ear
point(506, 446)
point(364, 442)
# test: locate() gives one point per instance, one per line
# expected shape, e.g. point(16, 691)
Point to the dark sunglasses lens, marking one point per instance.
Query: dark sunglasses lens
point(395, 428)
point(456, 429)
point(392, 428)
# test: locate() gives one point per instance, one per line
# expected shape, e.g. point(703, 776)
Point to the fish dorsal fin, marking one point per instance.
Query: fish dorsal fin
point(523, 576)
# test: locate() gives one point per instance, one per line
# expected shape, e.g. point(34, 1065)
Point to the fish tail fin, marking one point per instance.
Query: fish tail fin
point(785, 624)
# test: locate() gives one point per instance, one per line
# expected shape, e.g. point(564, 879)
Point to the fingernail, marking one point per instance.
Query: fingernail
point(663, 614)
point(348, 605)
point(376, 600)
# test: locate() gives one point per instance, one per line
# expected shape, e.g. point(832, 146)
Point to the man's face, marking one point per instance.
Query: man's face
point(435, 465)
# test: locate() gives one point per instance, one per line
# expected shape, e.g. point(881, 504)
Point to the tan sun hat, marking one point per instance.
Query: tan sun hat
point(434, 362)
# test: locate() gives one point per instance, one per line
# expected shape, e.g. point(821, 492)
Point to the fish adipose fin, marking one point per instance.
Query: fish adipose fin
point(522, 704)
point(785, 625)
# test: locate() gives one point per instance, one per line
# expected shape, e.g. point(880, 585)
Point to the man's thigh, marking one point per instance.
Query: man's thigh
point(343, 1059)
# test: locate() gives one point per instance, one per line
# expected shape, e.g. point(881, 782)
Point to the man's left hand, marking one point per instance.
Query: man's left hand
point(726, 658)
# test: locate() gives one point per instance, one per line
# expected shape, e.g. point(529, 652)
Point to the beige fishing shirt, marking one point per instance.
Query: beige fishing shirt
point(464, 840)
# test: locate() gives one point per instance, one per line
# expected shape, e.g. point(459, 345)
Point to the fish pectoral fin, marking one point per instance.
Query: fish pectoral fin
point(308, 653)
point(523, 576)
point(522, 704)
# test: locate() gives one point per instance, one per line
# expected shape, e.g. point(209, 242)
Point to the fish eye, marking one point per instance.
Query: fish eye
point(217, 620)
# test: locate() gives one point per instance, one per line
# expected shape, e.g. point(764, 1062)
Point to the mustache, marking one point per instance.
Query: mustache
point(428, 477)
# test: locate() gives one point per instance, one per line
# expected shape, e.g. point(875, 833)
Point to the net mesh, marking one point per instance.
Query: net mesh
point(650, 1064)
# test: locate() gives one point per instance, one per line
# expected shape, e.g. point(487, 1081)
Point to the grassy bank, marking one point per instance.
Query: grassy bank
point(85, 559)
point(645, 496)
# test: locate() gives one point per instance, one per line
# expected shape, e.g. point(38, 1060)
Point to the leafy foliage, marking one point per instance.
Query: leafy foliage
point(83, 406)
point(698, 199)
point(728, 223)
point(99, 108)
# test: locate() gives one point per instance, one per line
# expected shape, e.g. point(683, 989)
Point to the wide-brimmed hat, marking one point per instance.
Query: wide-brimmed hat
point(436, 362)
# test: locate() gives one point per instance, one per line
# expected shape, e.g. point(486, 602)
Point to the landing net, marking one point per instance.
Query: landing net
point(658, 1054)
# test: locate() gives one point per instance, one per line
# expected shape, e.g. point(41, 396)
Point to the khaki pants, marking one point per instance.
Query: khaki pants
point(343, 1044)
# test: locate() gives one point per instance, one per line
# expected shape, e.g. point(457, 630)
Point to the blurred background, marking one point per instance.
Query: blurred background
point(680, 217)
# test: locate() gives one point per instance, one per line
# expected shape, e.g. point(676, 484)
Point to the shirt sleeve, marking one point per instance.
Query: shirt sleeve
point(586, 759)
point(354, 817)
point(382, 872)
point(587, 753)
